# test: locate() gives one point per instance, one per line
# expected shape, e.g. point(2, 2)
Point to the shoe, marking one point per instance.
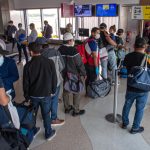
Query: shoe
point(36, 131)
point(50, 136)
point(67, 111)
point(58, 122)
point(134, 131)
point(123, 126)
point(81, 112)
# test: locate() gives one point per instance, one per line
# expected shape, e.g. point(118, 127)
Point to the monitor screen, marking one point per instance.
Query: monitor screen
point(83, 32)
point(106, 10)
point(83, 10)
point(62, 31)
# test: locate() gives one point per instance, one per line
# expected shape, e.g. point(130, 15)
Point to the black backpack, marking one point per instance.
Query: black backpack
point(11, 138)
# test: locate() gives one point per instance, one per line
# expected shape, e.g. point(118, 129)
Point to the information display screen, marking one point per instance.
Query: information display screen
point(83, 10)
point(106, 10)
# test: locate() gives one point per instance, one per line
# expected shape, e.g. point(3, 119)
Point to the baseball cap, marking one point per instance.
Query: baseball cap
point(103, 25)
point(68, 36)
point(1, 83)
point(140, 42)
point(41, 40)
point(120, 31)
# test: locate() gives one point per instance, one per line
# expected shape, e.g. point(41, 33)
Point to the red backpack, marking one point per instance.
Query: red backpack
point(81, 49)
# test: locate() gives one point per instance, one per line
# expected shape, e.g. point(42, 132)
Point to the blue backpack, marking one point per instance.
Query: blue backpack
point(22, 37)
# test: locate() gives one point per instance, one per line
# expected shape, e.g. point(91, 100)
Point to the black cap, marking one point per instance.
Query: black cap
point(103, 25)
point(120, 31)
point(1, 83)
point(140, 42)
point(41, 40)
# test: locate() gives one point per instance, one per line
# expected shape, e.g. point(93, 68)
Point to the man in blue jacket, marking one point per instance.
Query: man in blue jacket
point(8, 73)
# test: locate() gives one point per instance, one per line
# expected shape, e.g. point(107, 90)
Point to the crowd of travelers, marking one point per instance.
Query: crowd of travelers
point(50, 74)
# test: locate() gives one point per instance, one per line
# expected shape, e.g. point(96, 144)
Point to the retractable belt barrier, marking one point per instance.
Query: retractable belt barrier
point(114, 117)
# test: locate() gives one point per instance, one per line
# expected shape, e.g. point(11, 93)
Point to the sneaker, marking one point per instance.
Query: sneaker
point(50, 136)
point(123, 126)
point(67, 111)
point(134, 131)
point(81, 112)
point(36, 131)
point(58, 122)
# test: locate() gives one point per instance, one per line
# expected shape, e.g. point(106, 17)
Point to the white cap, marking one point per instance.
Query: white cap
point(68, 36)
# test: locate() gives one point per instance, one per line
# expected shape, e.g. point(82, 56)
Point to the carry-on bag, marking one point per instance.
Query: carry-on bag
point(98, 88)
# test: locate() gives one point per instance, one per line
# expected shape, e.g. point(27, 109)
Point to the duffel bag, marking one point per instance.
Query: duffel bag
point(98, 88)
point(27, 115)
point(14, 139)
point(139, 76)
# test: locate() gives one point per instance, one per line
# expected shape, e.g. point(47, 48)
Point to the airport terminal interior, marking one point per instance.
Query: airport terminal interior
point(93, 118)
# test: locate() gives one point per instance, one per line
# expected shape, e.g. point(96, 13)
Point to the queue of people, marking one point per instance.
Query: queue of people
point(49, 68)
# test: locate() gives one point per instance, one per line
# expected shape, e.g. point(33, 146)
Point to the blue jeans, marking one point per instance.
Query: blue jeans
point(141, 99)
point(112, 62)
point(45, 104)
point(104, 63)
point(54, 104)
point(20, 48)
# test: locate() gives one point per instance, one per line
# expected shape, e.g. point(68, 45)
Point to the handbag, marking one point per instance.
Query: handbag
point(139, 76)
point(73, 83)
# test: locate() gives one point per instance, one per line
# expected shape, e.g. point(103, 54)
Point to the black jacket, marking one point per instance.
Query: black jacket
point(39, 77)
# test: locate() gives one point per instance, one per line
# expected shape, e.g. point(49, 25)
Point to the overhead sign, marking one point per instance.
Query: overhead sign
point(141, 12)
point(67, 10)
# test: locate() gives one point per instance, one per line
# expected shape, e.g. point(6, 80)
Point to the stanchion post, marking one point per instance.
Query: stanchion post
point(115, 95)
point(114, 117)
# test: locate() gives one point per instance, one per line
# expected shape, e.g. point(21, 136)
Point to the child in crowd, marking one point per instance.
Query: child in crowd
point(121, 48)
point(112, 31)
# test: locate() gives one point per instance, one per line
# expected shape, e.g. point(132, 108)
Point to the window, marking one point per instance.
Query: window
point(65, 21)
point(17, 17)
point(51, 15)
point(34, 16)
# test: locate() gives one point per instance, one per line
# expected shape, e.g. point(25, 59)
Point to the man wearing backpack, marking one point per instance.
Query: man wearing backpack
point(92, 56)
point(110, 45)
point(134, 94)
point(73, 65)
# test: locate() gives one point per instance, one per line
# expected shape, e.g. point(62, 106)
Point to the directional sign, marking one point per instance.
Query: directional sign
point(141, 12)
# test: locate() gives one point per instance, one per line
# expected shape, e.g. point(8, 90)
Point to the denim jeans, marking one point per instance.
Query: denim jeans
point(112, 62)
point(45, 105)
point(141, 99)
point(20, 48)
point(54, 104)
point(104, 63)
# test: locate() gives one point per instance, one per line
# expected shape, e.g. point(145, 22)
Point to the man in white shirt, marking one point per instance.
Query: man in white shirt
point(33, 35)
